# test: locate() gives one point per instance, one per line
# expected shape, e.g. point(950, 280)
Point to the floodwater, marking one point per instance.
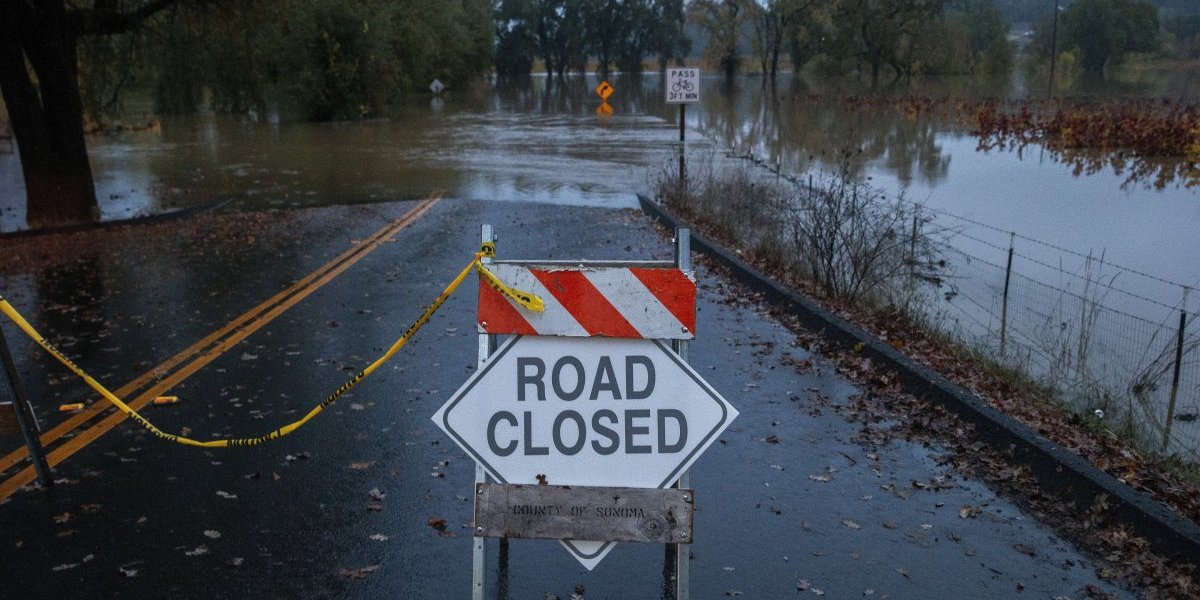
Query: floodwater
point(548, 144)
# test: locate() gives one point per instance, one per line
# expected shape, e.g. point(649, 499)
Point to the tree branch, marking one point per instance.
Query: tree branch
point(104, 19)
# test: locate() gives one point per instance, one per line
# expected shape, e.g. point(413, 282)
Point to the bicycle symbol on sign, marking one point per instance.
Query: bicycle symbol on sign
point(682, 85)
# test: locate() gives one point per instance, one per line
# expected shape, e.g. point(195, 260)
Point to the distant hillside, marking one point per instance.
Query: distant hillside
point(1031, 11)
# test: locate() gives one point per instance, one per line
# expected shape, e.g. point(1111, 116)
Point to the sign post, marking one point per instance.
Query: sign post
point(10, 393)
point(586, 418)
point(683, 88)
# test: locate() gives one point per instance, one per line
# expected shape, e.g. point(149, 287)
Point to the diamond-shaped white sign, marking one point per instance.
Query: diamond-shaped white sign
point(590, 411)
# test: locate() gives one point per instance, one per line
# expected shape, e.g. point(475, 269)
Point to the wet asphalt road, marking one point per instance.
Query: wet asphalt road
point(788, 503)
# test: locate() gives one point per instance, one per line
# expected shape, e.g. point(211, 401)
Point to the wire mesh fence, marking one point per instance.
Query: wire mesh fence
point(1118, 344)
point(1070, 320)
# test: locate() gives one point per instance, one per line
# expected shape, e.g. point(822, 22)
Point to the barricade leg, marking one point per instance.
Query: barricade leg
point(487, 345)
point(683, 552)
point(10, 393)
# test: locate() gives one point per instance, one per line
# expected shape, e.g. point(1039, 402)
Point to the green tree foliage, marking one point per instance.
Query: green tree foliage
point(1104, 31)
point(116, 61)
point(669, 42)
point(786, 25)
point(331, 60)
point(881, 33)
point(313, 59)
point(1186, 31)
point(516, 37)
point(978, 32)
point(723, 21)
point(564, 33)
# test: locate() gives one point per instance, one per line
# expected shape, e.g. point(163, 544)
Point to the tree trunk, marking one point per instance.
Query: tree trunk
point(47, 118)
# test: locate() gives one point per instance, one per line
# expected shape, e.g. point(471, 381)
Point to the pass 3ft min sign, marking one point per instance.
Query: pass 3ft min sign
point(683, 86)
point(585, 411)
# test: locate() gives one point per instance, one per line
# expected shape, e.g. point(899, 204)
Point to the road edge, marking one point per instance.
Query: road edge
point(1058, 470)
point(175, 215)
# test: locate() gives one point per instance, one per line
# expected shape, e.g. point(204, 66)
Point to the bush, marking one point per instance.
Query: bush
point(849, 240)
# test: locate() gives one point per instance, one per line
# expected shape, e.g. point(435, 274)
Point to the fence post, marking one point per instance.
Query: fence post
point(10, 391)
point(1175, 376)
point(912, 245)
point(1004, 302)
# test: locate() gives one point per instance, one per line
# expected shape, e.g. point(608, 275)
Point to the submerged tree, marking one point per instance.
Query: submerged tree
point(39, 79)
point(1104, 31)
point(880, 33)
point(722, 20)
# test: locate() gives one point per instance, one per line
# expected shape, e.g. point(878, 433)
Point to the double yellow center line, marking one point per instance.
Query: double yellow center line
point(165, 376)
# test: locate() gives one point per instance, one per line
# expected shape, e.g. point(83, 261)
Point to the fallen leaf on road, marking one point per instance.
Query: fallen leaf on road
point(359, 573)
point(226, 495)
point(850, 523)
point(63, 518)
point(437, 523)
point(212, 533)
point(65, 566)
point(198, 551)
point(235, 561)
point(359, 466)
point(824, 478)
point(374, 506)
point(379, 537)
point(376, 494)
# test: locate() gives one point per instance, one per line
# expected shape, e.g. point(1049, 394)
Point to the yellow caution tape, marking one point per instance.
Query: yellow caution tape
point(487, 251)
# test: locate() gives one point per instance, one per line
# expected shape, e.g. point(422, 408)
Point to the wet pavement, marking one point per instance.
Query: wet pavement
point(788, 503)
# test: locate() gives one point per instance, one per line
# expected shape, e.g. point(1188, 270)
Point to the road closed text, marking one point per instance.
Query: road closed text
point(602, 408)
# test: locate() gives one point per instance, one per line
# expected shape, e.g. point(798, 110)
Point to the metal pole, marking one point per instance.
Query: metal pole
point(1175, 377)
point(683, 260)
point(1004, 303)
point(682, 152)
point(10, 391)
point(487, 344)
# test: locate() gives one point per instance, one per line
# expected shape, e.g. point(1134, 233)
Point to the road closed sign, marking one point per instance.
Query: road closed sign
point(585, 412)
point(683, 86)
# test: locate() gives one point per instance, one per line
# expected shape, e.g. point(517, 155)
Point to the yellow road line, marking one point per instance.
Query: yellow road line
point(242, 327)
point(96, 408)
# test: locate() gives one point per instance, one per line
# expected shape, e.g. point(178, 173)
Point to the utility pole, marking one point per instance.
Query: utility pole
point(1053, 49)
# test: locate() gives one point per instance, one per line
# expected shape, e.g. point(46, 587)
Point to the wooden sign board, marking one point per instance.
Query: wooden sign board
point(563, 512)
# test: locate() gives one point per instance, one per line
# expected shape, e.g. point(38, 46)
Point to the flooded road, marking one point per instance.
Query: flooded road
point(527, 144)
